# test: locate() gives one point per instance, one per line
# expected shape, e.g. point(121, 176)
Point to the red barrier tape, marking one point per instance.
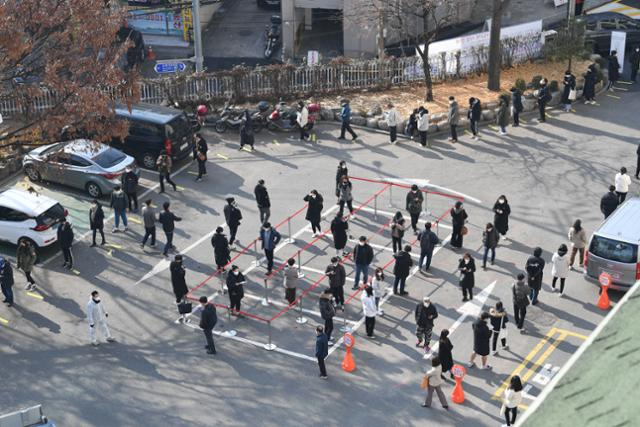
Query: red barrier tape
point(407, 186)
point(244, 313)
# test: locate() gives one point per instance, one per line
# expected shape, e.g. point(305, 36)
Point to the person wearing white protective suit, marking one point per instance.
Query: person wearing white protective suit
point(97, 316)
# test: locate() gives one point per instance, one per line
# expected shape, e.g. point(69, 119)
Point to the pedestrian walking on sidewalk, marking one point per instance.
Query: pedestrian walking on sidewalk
point(520, 291)
point(290, 277)
point(516, 105)
point(235, 282)
point(428, 241)
point(622, 181)
point(345, 196)
point(535, 269)
point(263, 201)
point(65, 239)
point(498, 321)
point(589, 90)
point(345, 118)
point(221, 251)
point(502, 117)
point(401, 270)
point(434, 383)
point(270, 238)
point(119, 202)
point(569, 91)
point(453, 118)
point(314, 211)
point(369, 310)
point(474, 115)
point(511, 401)
point(445, 352)
point(201, 149)
point(164, 165)
point(543, 97)
point(97, 316)
point(501, 210)
point(339, 231)
point(425, 314)
point(322, 350)
point(178, 282)
point(481, 337)
point(578, 238)
point(397, 231)
point(96, 221)
point(414, 202)
point(232, 215)
point(609, 202)
point(393, 119)
point(208, 320)
point(149, 219)
point(342, 171)
point(634, 60)
point(327, 312)
point(467, 268)
point(25, 260)
point(130, 187)
point(423, 126)
point(303, 120)
point(458, 218)
point(490, 239)
point(6, 281)
point(559, 268)
point(614, 70)
point(168, 220)
point(337, 278)
point(378, 286)
point(362, 257)
point(246, 131)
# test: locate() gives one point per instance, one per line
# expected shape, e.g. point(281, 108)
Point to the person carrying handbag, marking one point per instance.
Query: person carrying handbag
point(499, 321)
point(432, 381)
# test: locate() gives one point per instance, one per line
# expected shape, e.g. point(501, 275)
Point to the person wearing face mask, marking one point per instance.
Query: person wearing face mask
point(208, 320)
point(303, 120)
point(345, 196)
point(369, 310)
point(149, 219)
point(392, 118)
point(178, 282)
point(6, 281)
point(501, 210)
point(467, 268)
point(397, 231)
point(270, 238)
point(97, 316)
point(232, 215)
point(362, 257)
point(428, 241)
point(474, 115)
point(401, 270)
point(425, 314)
point(235, 282)
point(342, 171)
point(345, 117)
point(25, 260)
point(423, 126)
point(339, 230)
point(535, 268)
point(220, 245)
point(263, 201)
point(377, 284)
point(337, 278)
point(290, 277)
point(453, 117)
point(458, 218)
point(314, 210)
point(490, 239)
point(414, 202)
point(634, 60)
point(327, 312)
point(96, 221)
point(481, 341)
point(119, 201)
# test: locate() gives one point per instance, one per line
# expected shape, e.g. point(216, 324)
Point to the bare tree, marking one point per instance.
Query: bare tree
point(495, 54)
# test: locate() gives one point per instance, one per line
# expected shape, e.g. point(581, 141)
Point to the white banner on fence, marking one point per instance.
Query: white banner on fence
point(618, 43)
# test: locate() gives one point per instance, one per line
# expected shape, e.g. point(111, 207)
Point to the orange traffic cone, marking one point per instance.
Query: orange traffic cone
point(348, 364)
point(151, 55)
point(458, 394)
point(603, 301)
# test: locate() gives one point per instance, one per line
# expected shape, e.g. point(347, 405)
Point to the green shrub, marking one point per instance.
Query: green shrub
point(553, 86)
point(521, 85)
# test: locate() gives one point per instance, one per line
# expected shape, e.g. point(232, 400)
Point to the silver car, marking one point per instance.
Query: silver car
point(84, 164)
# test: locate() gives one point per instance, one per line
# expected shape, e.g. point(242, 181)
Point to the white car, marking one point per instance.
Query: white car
point(29, 216)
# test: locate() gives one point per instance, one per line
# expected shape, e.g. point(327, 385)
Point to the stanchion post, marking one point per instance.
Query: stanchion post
point(375, 207)
point(255, 251)
point(265, 300)
point(300, 319)
point(221, 283)
point(344, 327)
point(229, 332)
point(438, 228)
point(426, 205)
point(390, 195)
point(269, 346)
point(290, 239)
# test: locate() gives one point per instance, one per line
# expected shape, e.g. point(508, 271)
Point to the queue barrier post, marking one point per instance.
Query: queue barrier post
point(290, 239)
point(300, 273)
point(390, 195)
point(301, 320)
point(426, 204)
point(375, 207)
point(265, 300)
point(222, 289)
point(269, 346)
point(255, 251)
point(229, 332)
point(344, 327)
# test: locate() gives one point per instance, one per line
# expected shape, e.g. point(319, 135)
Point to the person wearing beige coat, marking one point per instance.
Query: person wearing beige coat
point(578, 238)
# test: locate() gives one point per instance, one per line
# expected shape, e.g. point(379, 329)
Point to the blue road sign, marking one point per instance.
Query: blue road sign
point(169, 67)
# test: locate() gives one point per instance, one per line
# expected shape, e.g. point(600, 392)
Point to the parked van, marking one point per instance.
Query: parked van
point(613, 247)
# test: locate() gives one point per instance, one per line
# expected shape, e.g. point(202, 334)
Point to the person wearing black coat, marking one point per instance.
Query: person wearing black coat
point(614, 70)
point(337, 278)
point(314, 210)
point(168, 220)
point(65, 238)
point(516, 106)
point(458, 218)
point(342, 171)
point(208, 320)
point(263, 201)
point(6, 281)
point(569, 82)
point(425, 314)
point(246, 131)
point(445, 351)
point(474, 114)
point(362, 258)
point(220, 249)
point(589, 90)
point(499, 321)
point(428, 241)
point(481, 338)
point(544, 96)
point(467, 268)
point(232, 215)
point(96, 221)
point(235, 282)
point(322, 351)
point(634, 60)
point(339, 230)
point(200, 153)
point(327, 311)
point(535, 269)
point(637, 162)
point(401, 270)
point(501, 210)
point(609, 202)
point(130, 188)
point(178, 282)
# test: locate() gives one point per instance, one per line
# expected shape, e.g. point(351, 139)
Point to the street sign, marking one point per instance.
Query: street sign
point(169, 67)
point(605, 279)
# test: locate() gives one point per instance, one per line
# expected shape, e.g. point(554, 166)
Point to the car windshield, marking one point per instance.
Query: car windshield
point(178, 127)
point(52, 215)
point(109, 158)
point(614, 250)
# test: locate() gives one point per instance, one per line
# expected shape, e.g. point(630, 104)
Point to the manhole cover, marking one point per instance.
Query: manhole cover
point(245, 33)
point(540, 317)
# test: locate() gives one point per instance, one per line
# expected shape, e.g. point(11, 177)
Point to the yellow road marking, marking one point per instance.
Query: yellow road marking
point(573, 110)
point(613, 96)
point(113, 245)
point(5, 321)
point(276, 142)
point(538, 363)
point(467, 132)
point(75, 271)
point(494, 127)
point(31, 294)
point(222, 156)
point(134, 220)
point(573, 334)
point(110, 252)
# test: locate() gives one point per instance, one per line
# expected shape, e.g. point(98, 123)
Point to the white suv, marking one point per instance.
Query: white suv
point(29, 216)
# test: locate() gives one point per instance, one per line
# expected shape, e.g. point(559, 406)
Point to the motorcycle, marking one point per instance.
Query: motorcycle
point(233, 119)
point(284, 118)
point(272, 34)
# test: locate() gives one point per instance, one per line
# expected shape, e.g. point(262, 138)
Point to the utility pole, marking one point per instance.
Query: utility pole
point(197, 30)
point(571, 23)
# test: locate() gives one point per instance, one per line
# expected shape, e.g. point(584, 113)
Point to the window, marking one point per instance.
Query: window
point(60, 158)
point(144, 129)
point(52, 215)
point(8, 214)
point(109, 158)
point(178, 127)
point(614, 250)
point(626, 24)
point(608, 25)
point(78, 161)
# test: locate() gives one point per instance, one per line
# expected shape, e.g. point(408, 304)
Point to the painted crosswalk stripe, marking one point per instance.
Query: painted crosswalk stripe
point(34, 295)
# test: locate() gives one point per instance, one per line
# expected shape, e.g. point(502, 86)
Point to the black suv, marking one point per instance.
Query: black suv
point(152, 129)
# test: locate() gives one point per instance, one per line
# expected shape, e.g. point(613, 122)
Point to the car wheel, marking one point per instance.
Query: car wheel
point(32, 173)
point(93, 190)
point(30, 243)
point(221, 127)
point(148, 161)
